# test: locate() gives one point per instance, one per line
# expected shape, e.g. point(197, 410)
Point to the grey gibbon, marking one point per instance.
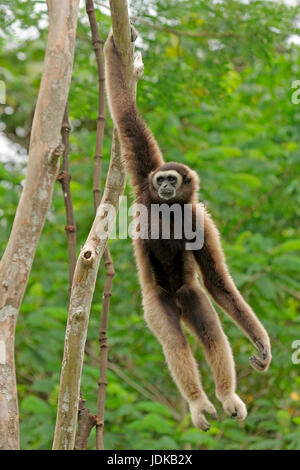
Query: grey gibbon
point(168, 272)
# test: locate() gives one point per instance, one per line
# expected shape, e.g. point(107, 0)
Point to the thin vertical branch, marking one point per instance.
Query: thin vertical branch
point(97, 45)
point(64, 178)
point(86, 420)
point(103, 339)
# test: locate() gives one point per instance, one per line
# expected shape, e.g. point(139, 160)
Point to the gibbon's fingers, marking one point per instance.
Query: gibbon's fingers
point(197, 408)
point(262, 362)
point(138, 65)
point(133, 33)
point(235, 407)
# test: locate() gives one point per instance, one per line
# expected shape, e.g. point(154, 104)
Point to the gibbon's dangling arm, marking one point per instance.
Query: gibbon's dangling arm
point(220, 285)
point(139, 148)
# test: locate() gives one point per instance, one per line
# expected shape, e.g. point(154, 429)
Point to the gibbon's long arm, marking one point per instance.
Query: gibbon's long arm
point(220, 285)
point(139, 148)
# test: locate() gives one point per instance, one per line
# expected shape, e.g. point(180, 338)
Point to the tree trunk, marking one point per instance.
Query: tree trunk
point(43, 163)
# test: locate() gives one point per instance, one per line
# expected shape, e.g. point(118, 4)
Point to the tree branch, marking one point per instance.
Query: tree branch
point(86, 422)
point(103, 340)
point(88, 262)
point(65, 178)
point(35, 200)
point(177, 32)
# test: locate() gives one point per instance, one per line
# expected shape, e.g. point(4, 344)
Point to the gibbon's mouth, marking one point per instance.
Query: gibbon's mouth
point(166, 193)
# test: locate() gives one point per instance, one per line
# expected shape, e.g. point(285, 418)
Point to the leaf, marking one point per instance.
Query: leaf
point(283, 418)
point(155, 423)
point(155, 407)
point(34, 404)
point(290, 245)
point(251, 180)
point(166, 443)
point(287, 263)
point(266, 287)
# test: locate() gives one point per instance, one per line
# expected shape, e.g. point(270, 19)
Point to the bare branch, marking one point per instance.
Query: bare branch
point(86, 422)
point(97, 45)
point(103, 341)
point(206, 34)
point(88, 263)
point(35, 200)
point(64, 178)
point(177, 32)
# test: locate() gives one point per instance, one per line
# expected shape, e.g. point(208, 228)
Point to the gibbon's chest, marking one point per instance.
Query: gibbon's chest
point(165, 237)
point(166, 260)
point(165, 251)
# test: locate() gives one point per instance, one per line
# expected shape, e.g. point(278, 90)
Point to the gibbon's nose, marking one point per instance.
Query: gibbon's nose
point(167, 190)
point(166, 186)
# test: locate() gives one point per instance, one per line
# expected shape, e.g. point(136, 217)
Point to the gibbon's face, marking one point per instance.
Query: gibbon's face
point(167, 183)
point(173, 182)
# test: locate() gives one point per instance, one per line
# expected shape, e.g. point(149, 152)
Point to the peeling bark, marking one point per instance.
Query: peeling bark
point(42, 169)
point(89, 259)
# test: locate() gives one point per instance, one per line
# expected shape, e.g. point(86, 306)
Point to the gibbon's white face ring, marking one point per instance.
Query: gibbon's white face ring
point(165, 174)
point(166, 189)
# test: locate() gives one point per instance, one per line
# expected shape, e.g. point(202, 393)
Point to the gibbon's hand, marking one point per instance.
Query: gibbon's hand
point(262, 362)
point(133, 33)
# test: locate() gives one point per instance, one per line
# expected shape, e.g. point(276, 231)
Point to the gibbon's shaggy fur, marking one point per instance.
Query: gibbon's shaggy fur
point(168, 273)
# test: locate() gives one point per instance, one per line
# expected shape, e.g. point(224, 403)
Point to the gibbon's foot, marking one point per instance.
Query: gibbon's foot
point(197, 408)
point(235, 407)
point(262, 362)
point(133, 33)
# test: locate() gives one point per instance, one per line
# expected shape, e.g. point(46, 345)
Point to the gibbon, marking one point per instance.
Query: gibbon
point(168, 272)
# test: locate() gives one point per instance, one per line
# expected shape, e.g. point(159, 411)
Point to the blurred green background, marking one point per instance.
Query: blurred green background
point(220, 102)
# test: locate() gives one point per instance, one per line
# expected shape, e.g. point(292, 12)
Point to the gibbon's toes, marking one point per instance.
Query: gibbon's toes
point(198, 408)
point(200, 422)
point(210, 409)
point(261, 362)
point(235, 407)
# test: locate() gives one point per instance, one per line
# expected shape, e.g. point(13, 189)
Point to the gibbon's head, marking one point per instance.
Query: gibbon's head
point(173, 182)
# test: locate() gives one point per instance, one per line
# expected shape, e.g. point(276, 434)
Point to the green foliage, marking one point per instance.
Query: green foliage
point(224, 107)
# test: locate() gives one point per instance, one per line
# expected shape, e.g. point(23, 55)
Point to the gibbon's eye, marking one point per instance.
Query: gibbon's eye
point(172, 179)
point(160, 179)
point(187, 181)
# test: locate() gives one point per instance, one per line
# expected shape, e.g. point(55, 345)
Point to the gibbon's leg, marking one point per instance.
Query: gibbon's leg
point(163, 318)
point(220, 285)
point(200, 316)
